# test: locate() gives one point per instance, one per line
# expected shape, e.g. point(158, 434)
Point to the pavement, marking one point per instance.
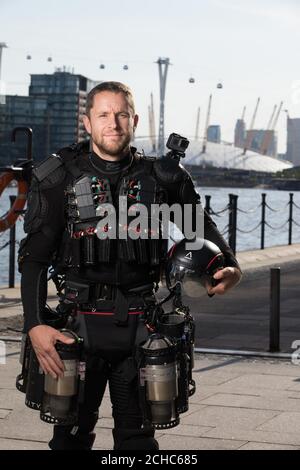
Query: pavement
point(240, 404)
point(243, 403)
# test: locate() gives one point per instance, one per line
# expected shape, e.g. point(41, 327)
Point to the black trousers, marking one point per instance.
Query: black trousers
point(128, 433)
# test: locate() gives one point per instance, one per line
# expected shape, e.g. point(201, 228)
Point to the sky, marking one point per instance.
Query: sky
point(251, 46)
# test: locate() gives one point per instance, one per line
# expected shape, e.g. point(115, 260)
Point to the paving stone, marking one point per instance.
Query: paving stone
point(262, 381)
point(105, 410)
point(257, 402)
point(222, 432)
point(256, 366)
point(193, 443)
point(232, 417)
point(186, 430)
point(295, 387)
point(203, 391)
point(265, 446)
point(104, 439)
point(107, 423)
point(23, 423)
point(9, 398)
point(4, 413)
point(286, 421)
point(20, 444)
point(215, 380)
point(193, 408)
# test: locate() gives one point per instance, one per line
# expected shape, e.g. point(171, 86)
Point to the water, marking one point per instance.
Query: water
point(248, 199)
point(4, 238)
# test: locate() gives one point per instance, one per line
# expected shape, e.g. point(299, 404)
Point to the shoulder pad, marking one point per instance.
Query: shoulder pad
point(169, 170)
point(76, 148)
point(47, 168)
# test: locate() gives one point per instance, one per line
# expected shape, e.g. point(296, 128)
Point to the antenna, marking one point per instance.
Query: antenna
point(206, 125)
point(243, 113)
point(197, 124)
point(163, 64)
point(152, 124)
point(2, 46)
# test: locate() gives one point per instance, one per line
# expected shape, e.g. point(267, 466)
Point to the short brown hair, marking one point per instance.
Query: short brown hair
point(114, 87)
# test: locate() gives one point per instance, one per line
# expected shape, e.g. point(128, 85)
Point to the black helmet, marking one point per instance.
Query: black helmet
point(193, 266)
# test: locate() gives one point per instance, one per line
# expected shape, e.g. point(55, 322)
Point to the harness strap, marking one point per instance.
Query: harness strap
point(110, 314)
point(121, 308)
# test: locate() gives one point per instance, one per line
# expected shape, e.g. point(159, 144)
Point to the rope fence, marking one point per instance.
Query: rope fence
point(232, 208)
point(276, 228)
point(249, 231)
point(277, 210)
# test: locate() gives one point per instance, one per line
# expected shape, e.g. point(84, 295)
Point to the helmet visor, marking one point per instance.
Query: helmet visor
point(192, 284)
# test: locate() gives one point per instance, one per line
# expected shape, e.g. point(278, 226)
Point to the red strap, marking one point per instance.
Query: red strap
point(212, 260)
point(137, 312)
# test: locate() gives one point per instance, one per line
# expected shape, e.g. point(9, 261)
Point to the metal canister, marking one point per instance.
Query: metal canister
point(158, 378)
point(60, 401)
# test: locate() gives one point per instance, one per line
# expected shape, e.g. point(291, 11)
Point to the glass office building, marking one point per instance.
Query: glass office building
point(53, 109)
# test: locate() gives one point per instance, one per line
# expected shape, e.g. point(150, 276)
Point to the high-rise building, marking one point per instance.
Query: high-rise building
point(293, 141)
point(214, 134)
point(22, 111)
point(262, 141)
point(240, 133)
point(53, 109)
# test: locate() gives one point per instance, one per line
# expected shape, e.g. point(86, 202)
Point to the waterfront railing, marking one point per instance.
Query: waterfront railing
point(232, 228)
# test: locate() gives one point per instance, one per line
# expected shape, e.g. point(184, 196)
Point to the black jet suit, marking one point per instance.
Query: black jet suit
point(109, 282)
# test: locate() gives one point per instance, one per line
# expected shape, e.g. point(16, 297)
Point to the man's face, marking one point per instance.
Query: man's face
point(111, 123)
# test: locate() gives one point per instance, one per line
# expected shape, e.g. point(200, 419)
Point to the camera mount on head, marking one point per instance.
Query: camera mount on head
point(177, 146)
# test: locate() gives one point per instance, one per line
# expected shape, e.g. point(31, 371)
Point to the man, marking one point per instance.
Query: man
point(104, 274)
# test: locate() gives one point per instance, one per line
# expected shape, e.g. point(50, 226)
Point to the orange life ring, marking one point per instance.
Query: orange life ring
point(10, 218)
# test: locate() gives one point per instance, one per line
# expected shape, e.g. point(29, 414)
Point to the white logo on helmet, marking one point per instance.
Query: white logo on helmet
point(189, 255)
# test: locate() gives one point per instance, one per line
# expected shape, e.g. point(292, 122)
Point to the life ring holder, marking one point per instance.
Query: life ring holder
point(9, 219)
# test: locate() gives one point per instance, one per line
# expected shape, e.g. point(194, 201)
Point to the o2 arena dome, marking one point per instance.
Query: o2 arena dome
point(222, 155)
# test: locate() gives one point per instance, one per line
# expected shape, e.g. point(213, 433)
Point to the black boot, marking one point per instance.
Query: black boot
point(67, 438)
point(134, 439)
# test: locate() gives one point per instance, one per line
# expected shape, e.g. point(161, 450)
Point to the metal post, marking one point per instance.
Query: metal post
point(28, 132)
point(291, 203)
point(230, 219)
point(235, 199)
point(263, 220)
point(232, 223)
point(207, 203)
point(12, 246)
point(275, 310)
